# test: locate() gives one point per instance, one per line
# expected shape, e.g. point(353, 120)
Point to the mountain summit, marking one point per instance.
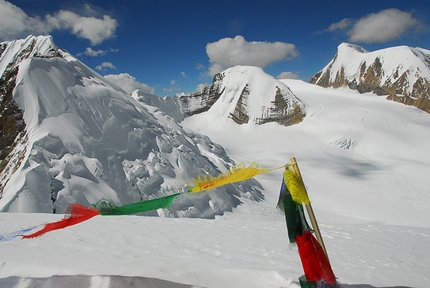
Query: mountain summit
point(246, 95)
point(68, 135)
point(402, 73)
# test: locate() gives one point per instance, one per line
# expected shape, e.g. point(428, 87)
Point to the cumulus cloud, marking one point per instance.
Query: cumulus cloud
point(94, 29)
point(288, 75)
point(15, 23)
point(382, 27)
point(229, 52)
point(129, 83)
point(105, 65)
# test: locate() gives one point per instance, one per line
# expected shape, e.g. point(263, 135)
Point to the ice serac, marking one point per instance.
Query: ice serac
point(246, 95)
point(71, 136)
point(402, 73)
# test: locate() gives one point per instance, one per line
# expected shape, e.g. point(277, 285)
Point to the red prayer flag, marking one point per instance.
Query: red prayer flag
point(314, 260)
point(76, 214)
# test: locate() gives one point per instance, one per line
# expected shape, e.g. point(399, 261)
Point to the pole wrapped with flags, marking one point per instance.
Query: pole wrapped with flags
point(313, 255)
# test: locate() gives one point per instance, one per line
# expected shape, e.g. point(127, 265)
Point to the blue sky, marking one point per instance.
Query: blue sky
point(168, 47)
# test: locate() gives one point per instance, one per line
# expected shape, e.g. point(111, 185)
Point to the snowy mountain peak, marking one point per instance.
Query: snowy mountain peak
point(422, 54)
point(14, 52)
point(402, 73)
point(245, 95)
point(348, 46)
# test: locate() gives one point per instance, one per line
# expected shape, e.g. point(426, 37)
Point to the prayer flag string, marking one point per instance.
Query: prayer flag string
point(77, 213)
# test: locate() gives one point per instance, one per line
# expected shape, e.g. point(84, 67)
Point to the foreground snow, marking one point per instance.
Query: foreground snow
point(365, 164)
point(240, 251)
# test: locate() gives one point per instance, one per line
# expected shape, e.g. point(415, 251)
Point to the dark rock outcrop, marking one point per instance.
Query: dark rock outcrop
point(203, 99)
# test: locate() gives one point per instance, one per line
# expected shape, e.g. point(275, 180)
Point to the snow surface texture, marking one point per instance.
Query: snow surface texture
point(371, 201)
point(89, 140)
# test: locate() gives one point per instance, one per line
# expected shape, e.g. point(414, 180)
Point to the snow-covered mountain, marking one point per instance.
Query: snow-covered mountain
point(245, 95)
point(402, 73)
point(69, 135)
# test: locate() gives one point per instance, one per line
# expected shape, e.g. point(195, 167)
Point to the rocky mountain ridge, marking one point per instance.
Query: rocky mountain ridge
point(401, 73)
point(12, 124)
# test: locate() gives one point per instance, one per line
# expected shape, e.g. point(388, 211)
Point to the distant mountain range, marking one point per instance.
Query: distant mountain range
point(69, 135)
point(402, 73)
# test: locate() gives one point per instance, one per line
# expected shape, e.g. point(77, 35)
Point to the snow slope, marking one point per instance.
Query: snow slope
point(365, 164)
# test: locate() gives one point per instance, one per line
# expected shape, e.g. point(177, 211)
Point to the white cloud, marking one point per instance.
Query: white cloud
point(15, 23)
point(129, 83)
point(94, 53)
point(229, 52)
point(382, 27)
point(94, 29)
point(105, 65)
point(171, 89)
point(342, 24)
point(288, 75)
point(173, 82)
point(183, 74)
point(200, 66)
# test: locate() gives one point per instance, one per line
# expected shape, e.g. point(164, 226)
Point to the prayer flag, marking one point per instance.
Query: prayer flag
point(294, 214)
point(236, 174)
point(314, 260)
point(76, 214)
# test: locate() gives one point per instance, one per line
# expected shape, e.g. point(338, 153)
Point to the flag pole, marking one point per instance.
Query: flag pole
point(309, 208)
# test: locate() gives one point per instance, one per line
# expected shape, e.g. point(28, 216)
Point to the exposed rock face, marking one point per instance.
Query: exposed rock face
point(402, 73)
point(278, 112)
point(245, 95)
point(12, 125)
point(240, 114)
point(203, 99)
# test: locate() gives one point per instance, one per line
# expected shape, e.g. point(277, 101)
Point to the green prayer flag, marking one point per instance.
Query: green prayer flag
point(294, 214)
point(106, 207)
